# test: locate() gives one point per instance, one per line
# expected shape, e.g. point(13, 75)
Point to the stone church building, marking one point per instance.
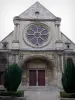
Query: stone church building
point(38, 46)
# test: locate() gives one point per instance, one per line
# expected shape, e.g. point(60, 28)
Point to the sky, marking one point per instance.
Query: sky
point(65, 9)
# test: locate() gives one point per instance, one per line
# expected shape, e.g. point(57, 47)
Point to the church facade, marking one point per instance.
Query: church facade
point(38, 46)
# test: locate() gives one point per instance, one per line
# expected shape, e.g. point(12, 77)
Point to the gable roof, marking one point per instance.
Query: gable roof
point(30, 13)
point(7, 36)
point(69, 40)
point(37, 7)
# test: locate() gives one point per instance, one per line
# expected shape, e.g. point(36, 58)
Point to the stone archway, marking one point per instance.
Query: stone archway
point(37, 69)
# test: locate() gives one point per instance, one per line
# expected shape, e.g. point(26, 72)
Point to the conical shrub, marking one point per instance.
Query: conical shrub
point(68, 76)
point(12, 77)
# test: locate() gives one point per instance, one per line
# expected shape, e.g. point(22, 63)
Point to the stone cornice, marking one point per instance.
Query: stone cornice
point(5, 50)
point(36, 19)
point(42, 50)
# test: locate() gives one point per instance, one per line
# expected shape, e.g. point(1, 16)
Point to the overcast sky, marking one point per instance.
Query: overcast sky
point(60, 8)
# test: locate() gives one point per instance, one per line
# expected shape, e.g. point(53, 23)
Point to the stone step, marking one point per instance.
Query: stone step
point(42, 95)
point(39, 88)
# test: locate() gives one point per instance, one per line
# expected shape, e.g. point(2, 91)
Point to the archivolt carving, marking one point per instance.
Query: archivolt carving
point(45, 56)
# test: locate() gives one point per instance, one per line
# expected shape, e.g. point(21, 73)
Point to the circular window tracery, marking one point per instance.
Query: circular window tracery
point(37, 34)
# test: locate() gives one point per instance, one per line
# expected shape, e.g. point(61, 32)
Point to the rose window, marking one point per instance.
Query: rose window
point(37, 34)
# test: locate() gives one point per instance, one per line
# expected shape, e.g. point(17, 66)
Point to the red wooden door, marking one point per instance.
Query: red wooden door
point(1, 78)
point(41, 77)
point(32, 77)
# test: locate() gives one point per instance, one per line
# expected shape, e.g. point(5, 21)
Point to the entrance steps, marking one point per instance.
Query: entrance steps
point(41, 92)
point(42, 95)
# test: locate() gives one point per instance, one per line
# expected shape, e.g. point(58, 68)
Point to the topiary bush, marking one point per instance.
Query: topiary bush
point(12, 77)
point(68, 76)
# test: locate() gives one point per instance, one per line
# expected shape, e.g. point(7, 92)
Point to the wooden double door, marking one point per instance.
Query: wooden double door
point(37, 77)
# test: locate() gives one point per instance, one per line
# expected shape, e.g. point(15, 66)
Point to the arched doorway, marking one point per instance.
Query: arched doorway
point(37, 72)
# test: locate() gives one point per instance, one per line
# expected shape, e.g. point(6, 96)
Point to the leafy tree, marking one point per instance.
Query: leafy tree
point(12, 77)
point(68, 76)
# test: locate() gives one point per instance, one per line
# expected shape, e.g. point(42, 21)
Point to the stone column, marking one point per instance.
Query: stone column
point(37, 78)
point(15, 42)
point(58, 63)
point(59, 39)
point(16, 30)
point(14, 57)
point(59, 73)
point(62, 63)
point(57, 25)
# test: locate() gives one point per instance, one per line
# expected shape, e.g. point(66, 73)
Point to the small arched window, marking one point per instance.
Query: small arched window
point(68, 45)
point(5, 45)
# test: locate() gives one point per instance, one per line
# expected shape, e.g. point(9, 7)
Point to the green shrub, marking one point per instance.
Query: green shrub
point(68, 77)
point(12, 77)
point(17, 93)
point(67, 95)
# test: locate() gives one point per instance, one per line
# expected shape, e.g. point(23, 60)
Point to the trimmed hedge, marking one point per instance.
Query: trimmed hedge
point(12, 93)
point(67, 95)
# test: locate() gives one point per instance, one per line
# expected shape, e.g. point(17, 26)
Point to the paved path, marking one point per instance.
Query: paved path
point(42, 95)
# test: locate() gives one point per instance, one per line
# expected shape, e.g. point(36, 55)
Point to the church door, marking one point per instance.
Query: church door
point(37, 72)
point(32, 77)
point(41, 77)
point(36, 75)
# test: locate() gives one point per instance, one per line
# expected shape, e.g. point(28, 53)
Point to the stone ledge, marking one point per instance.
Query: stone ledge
point(11, 98)
point(67, 98)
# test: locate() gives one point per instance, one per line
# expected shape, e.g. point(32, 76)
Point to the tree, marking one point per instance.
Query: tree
point(12, 77)
point(68, 76)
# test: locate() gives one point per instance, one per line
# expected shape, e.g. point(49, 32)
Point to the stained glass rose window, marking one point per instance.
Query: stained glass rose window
point(37, 34)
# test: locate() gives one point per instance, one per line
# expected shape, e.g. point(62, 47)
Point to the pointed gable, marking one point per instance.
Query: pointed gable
point(30, 13)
